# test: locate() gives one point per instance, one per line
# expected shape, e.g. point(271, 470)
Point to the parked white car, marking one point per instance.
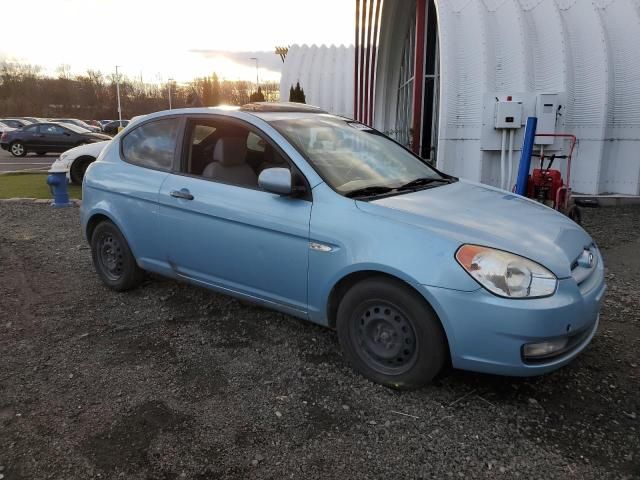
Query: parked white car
point(76, 160)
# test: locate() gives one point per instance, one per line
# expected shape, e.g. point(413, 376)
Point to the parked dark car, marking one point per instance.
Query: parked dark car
point(111, 128)
point(15, 122)
point(5, 128)
point(47, 137)
point(76, 122)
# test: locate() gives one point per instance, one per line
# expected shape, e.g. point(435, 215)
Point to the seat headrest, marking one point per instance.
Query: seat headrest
point(230, 151)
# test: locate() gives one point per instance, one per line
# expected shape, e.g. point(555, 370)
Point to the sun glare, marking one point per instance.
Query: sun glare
point(158, 41)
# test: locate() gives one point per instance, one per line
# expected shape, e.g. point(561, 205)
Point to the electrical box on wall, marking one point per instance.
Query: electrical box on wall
point(546, 111)
point(508, 115)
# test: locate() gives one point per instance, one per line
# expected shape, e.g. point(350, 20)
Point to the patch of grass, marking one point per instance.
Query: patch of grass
point(30, 185)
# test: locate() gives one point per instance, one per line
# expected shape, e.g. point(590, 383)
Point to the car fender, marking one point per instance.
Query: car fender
point(104, 208)
point(321, 315)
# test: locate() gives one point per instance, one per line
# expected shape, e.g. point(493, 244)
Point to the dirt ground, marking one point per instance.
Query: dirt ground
point(171, 381)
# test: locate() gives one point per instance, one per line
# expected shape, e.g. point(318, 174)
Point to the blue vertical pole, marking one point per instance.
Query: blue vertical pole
point(525, 156)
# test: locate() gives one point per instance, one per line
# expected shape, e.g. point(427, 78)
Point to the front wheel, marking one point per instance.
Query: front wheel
point(390, 334)
point(18, 149)
point(113, 259)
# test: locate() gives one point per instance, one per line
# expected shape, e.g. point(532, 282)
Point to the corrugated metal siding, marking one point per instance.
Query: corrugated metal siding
point(325, 73)
point(589, 50)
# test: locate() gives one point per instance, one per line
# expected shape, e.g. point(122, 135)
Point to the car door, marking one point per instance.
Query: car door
point(31, 136)
point(55, 138)
point(222, 230)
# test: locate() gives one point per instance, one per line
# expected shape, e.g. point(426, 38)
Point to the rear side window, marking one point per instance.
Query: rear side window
point(152, 145)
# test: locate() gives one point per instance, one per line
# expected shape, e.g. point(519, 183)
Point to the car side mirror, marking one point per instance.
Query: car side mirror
point(276, 180)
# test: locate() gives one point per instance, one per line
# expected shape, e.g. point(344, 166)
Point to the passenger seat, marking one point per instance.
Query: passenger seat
point(229, 163)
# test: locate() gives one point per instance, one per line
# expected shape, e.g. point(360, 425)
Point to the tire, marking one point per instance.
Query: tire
point(41, 153)
point(575, 214)
point(112, 258)
point(18, 149)
point(78, 169)
point(390, 334)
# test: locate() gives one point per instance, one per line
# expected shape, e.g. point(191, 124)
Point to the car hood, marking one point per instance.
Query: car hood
point(92, 149)
point(467, 212)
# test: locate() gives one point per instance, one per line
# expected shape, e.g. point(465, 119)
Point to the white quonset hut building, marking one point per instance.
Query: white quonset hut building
point(325, 73)
point(434, 74)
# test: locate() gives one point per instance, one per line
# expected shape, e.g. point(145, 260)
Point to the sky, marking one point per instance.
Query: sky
point(158, 40)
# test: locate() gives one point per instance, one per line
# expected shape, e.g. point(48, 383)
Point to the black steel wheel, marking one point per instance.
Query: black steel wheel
point(385, 336)
point(390, 334)
point(113, 259)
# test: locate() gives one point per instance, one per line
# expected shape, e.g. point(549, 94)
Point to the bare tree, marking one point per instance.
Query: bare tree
point(24, 91)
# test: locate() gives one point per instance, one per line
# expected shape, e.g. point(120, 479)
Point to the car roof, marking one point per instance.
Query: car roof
point(277, 111)
point(280, 107)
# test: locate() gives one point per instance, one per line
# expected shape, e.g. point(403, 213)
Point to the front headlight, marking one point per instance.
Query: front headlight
point(506, 274)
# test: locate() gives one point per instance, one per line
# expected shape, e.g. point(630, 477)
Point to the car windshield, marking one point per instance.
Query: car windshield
point(354, 158)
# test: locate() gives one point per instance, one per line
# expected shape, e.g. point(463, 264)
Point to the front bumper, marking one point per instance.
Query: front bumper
point(487, 333)
point(4, 146)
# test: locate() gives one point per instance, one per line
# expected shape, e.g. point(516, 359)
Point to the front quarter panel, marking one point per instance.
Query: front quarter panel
point(363, 242)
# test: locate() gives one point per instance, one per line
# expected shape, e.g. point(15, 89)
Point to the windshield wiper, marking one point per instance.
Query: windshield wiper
point(421, 182)
point(368, 191)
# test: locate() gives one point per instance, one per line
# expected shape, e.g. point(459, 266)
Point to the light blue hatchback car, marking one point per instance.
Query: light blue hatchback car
point(330, 221)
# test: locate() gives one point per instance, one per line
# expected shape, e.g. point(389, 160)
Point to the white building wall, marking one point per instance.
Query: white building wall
point(325, 73)
point(586, 51)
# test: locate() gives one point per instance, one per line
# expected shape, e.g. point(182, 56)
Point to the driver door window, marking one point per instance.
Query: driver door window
point(227, 152)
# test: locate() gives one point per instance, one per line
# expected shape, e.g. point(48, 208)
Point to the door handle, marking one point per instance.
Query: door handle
point(184, 194)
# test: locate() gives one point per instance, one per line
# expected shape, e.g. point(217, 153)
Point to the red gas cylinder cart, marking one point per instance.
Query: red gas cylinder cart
point(547, 186)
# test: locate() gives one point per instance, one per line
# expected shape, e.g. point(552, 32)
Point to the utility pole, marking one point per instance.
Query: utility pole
point(118, 95)
point(257, 82)
point(169, 87)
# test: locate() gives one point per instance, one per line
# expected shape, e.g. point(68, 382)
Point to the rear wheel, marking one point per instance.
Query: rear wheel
point(390, 334)
point(79, 168)
point(18, 149)
point(113, 259)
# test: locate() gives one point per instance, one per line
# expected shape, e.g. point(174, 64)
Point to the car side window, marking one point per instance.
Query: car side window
point(31, 128)
point(52, 130)
point(152, 145)
point(228, 152)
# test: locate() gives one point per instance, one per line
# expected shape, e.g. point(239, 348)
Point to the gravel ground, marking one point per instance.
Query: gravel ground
point(172, 381)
